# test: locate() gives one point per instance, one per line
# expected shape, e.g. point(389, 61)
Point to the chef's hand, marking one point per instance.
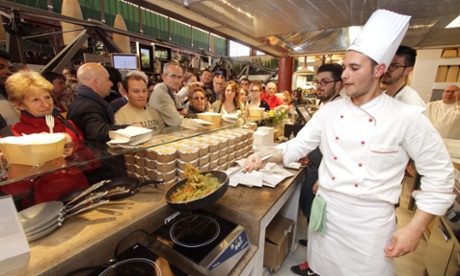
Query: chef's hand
point(403, 241)
point(304, 161)
point(314, 189)
point(406, 239)
point(254, 162)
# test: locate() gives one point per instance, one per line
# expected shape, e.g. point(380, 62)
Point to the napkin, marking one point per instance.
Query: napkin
point(130, 136)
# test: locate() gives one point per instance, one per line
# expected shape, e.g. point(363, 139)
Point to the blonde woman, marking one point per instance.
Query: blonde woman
point(32, 94)
point(230, 102)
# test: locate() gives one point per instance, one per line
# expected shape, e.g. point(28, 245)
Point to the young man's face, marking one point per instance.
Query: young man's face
point(357, 75)
point(6, 70)
point(244, 84)
point(394, 75)
point(205, 77)
point(325, 92)
point(137, 93)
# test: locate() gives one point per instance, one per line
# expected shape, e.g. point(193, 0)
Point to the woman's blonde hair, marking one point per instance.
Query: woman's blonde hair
point(24, 83)
point(287, 97)
point(236, 89)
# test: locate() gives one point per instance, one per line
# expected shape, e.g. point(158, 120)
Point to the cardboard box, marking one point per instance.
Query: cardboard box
point(452, 73)
point(442, 73)
point(449, 53)
point(33, 149)
point(278, 240)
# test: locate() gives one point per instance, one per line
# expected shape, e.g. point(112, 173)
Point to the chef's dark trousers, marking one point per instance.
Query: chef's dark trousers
point(306, 193)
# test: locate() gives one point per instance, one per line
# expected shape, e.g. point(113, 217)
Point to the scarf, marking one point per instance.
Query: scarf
point(83, 91)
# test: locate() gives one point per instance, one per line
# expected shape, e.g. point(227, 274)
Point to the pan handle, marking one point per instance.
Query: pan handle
point(87, 200)
point(86, 208)
point(151, 181)
point(87, 191)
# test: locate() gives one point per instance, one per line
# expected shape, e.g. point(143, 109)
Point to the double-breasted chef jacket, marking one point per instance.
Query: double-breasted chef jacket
point(365, 152)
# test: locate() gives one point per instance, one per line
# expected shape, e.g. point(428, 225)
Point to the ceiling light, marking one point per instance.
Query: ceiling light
point(455, 23)
point(186, 3)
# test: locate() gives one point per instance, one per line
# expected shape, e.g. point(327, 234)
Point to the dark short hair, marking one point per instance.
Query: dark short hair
point(51, 76)
point(244, 79)
point(114, 76)
point(5, 55)
point(72, 71)
point(335, 69)
point(125, 81)
point(204, 70)
point(217, 75)
point(408, 54)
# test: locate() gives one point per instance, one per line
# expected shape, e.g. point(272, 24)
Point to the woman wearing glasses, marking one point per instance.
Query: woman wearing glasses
point(230, 102)
point(256, 100)
point(197, 102)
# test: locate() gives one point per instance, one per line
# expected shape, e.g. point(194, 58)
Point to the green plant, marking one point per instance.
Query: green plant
point(277, 115)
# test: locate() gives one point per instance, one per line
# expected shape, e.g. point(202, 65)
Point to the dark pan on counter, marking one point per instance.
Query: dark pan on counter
point(201, 202)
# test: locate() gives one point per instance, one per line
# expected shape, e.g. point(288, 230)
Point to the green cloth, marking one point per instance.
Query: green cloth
point(318, 215)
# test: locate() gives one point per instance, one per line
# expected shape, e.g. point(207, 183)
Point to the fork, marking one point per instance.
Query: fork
point(50, 122)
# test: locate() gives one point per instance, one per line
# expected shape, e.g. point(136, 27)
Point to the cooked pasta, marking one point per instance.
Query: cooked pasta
point(197, 186)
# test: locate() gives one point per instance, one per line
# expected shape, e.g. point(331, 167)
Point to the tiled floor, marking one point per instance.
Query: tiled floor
point(409, 265)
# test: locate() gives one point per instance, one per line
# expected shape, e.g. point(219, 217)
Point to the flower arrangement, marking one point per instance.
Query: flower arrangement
point(277, 115)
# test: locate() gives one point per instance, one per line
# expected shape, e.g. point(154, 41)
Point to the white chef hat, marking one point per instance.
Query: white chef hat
point(381, 36)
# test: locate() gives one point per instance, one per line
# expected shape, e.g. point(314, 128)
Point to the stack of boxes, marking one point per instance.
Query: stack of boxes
point(214, 151)
point(449, 73)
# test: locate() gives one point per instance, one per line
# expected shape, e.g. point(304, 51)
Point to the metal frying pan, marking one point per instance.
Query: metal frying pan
point(39, 216)
point(199, 203)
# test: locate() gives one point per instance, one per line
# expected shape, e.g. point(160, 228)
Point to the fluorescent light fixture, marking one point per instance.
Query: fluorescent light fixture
point(455, 23)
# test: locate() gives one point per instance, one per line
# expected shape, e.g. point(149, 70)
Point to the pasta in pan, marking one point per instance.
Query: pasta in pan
point(197, 186)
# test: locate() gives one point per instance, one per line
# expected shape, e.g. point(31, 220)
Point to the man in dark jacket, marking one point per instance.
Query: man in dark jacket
point(90, 112)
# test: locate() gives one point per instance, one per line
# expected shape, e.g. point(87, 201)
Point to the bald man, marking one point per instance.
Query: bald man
point(89, 111)
point(445, 114)
point(269, 96)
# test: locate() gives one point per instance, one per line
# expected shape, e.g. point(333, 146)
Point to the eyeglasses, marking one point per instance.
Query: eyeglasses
point(394, 66)
point(198, 98)
point(174, 76)
point(255, 91)
point(323, 82)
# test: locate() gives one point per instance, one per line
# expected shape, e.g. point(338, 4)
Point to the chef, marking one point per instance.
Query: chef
point(367, 139)
point(445, 114)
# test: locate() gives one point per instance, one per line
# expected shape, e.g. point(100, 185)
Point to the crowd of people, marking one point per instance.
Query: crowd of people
point(88, 103)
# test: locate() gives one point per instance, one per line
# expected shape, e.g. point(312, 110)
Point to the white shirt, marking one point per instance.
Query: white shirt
point(445, 118)
point(409, 96)
point(366, 150)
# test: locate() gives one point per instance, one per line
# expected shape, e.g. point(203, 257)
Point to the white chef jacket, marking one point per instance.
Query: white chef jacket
point(366, 150)
point(409, 96)
point(445, 118)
